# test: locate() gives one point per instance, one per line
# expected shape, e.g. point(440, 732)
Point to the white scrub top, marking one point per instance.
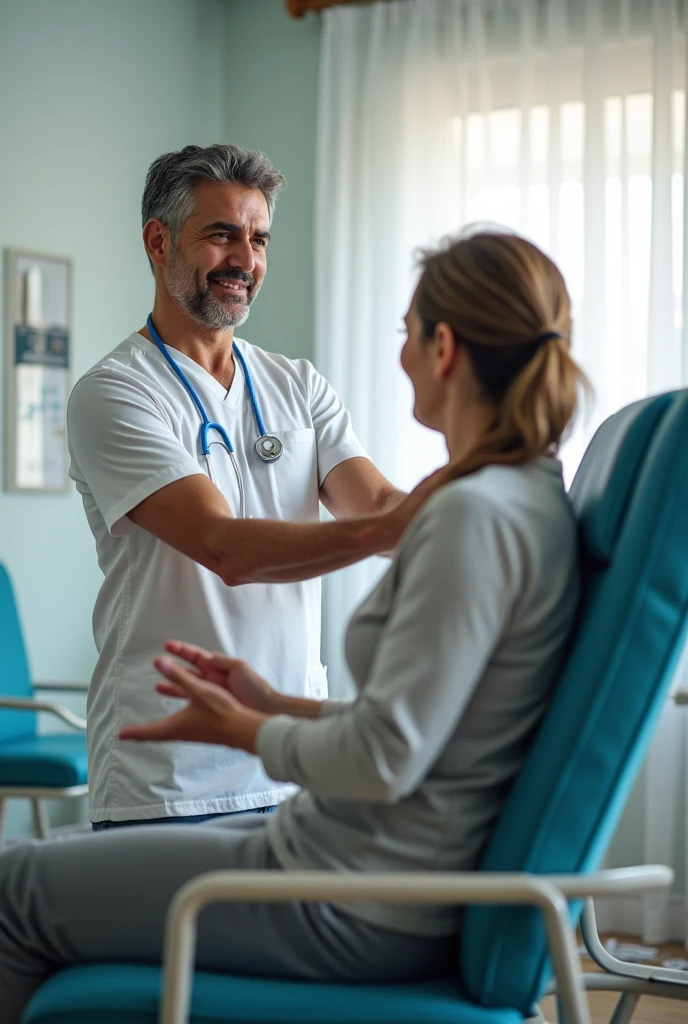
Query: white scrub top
point(133, 429)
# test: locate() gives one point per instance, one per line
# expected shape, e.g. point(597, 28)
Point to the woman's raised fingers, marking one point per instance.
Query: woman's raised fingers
point(170, 690)
point(164, 729)
point(187, 681)
point(187, 652)
point(222, 662)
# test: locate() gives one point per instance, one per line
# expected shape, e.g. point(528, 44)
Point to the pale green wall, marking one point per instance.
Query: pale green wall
point(269, 102)
point(92, 91)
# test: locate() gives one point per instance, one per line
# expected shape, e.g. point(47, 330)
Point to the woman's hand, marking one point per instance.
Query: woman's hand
point(212, 714)
point(231, 674)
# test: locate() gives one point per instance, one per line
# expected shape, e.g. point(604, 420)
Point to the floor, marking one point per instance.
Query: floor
point(650, 1010)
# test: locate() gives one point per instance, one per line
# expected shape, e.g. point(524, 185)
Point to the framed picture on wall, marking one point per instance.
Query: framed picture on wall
point(38, 304)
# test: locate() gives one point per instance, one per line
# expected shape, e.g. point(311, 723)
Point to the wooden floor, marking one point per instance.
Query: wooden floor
point(650, 1010)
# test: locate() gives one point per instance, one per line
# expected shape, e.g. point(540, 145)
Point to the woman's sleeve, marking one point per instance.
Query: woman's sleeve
point(458, 576)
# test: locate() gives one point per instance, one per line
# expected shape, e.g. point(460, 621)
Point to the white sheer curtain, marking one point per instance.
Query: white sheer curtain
point(564, 119)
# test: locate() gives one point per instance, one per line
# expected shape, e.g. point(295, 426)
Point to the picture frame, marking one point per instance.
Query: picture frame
point(39, 310)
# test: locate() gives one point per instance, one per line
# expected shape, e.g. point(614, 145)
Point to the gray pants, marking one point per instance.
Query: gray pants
point(105, 896)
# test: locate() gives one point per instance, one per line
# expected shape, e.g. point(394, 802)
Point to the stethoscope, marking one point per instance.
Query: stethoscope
point(267, 447)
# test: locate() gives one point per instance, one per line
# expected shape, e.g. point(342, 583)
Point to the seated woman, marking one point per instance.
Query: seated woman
point(454, 653)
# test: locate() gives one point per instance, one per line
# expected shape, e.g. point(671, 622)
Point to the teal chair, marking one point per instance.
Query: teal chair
point(631, 499)
point(33, 765)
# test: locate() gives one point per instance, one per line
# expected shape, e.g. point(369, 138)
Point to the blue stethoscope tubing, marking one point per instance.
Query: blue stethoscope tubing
point(267, 447)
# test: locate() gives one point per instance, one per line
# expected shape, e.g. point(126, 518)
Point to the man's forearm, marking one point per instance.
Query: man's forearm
point(272, 551)
point(331, 561)
point(393, 499)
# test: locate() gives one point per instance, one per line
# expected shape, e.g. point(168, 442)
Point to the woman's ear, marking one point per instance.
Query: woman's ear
point(447, 351)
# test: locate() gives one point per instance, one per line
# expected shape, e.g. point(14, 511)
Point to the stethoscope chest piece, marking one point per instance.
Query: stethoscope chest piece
point(268, 448)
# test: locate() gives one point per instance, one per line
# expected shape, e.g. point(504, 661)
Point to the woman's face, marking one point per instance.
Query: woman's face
point(419, 362)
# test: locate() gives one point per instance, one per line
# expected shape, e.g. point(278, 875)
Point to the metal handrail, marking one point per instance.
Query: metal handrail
point(548, 892)
point(30, 704)
point(66, 687)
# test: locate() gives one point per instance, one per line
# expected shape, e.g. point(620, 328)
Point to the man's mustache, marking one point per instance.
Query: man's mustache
point(233, 274)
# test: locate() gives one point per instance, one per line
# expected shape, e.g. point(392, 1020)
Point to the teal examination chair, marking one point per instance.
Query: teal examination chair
point(33, 765)
point(541, 863)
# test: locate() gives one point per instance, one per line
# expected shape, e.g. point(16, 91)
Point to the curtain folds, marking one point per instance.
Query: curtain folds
point(563, 119)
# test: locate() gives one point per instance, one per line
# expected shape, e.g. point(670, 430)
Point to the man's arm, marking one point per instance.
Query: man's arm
point(192, 516)
point(350, 485)
point(357, 488)
point(126, 454)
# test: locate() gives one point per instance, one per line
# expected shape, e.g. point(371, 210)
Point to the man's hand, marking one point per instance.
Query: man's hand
point(357, 488)
point(230, 674)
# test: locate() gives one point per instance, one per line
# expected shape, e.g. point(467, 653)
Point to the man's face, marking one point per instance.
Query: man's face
point(219, 260)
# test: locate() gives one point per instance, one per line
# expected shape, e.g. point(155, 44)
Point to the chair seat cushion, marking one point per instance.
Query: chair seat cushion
point(57, 760)
point(129, 994)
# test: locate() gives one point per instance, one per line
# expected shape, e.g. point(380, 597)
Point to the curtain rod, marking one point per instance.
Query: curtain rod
point(297, 8)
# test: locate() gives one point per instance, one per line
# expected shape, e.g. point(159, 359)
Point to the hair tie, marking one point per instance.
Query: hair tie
point(547, 336)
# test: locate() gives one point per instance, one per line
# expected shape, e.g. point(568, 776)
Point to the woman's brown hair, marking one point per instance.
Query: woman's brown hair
point(507, 303)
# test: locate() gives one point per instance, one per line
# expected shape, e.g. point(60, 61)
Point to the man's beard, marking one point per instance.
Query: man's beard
point(184, 285)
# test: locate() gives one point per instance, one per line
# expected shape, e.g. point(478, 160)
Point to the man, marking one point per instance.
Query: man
point(228, 563)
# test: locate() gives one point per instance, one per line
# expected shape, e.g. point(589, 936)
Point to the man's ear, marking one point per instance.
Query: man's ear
point(156, 239)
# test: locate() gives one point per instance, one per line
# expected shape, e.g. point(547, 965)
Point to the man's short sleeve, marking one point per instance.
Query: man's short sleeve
point(334, 434)
point(122, 446)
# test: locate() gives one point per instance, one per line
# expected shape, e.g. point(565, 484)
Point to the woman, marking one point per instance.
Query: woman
point(454, 654)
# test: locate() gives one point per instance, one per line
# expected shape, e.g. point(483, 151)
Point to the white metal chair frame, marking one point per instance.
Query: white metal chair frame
point(550, 893)
point(630, 979)
point(36, 794)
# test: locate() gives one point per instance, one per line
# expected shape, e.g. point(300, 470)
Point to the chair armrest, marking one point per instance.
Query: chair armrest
point(549, 893)
point(611, 881)
point(55, 684)
point(29, 704)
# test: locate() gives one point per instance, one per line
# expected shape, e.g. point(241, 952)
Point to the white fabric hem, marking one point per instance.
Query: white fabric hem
point(184, 808)
point(169, 475)
point(329, 460)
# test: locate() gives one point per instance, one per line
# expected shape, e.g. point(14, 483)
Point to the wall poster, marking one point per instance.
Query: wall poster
point(38, 299)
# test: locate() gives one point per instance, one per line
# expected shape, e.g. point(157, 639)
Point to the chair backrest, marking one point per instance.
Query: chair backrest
point(631, 500)
point(15, 680)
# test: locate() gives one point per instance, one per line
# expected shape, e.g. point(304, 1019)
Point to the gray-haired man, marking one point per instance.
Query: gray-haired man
point(228, 562)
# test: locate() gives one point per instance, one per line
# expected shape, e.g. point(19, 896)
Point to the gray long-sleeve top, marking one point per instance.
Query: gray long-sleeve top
point(454, 655)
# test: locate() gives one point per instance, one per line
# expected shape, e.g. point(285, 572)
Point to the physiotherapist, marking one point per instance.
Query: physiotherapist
point(201, 461)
